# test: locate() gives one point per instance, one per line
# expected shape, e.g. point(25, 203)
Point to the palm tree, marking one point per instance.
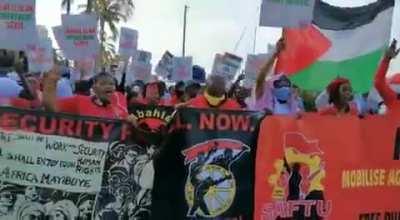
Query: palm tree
point(67, 5)
point(89, 6)
point(110, 13)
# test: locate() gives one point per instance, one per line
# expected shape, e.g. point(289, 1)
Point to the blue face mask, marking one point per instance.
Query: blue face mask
point(282, 94)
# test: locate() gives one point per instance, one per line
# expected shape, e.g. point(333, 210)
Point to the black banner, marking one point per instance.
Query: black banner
point(58, 166)
point(206, 168)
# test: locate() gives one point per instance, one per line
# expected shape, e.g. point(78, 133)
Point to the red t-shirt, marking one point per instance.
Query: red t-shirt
point(20, 103)
point(332, 110)
point(201, 102)
point(85, 105)
point(143, 101)
point(389, 96)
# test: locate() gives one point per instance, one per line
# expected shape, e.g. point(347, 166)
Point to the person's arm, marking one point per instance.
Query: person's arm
point(381, 84)
point(235, 85)
point(121, 86)
point(266, 68)
point(50, 90)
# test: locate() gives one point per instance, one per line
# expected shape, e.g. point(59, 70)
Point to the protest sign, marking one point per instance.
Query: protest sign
point(142, 56)
point(165, 65)
point(306, 171)
point(75, 167)
point(182, 69)
point(227, 65)
point(254, 63)
point(140, 67)
point(139, 71)
point(128, 42)
point(17, 24)
point(85, 68)
point(285, 13)
point(206, 168)
point(79, 36)
point(40, 56)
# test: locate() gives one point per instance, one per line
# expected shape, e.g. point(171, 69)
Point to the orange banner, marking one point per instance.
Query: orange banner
point(328, 168)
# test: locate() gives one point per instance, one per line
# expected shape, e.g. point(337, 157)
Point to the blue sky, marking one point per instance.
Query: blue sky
point(214, 26)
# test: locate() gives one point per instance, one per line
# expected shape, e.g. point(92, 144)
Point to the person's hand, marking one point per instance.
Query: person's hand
point(392, 51)
point(132, 120)
point(53, 75)
point(181, 105)
point(280, 46)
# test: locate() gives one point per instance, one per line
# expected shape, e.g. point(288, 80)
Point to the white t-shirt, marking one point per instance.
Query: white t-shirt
point(281, 108)
point(9, 88)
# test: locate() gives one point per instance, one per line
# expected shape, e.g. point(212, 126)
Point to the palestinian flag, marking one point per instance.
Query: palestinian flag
point(346, 42)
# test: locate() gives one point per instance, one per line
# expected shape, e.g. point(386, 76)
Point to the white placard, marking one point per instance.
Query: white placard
point(17, 24)
point(128, 42)
point(285, 13)
point(40, 56)
point(142, 56)
point(79, 36)
point(165, 65)
point(227, 65)
point(51, 161)
point(182, 69)
point(139, 71)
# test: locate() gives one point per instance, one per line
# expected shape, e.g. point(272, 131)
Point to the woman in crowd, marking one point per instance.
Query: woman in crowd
point(103, 102)
point(390, 97)
point(341, 96)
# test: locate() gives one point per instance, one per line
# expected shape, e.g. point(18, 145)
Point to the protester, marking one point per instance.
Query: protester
point(153, 93)
point(8, 88)
point(104, 102)
point(214, 96)
point(275, 95)
point(192, 89)
point(340, 98)
point(135, 93)
point(298, 98)
point(31, 97)
point(179, 93)
point(64, 88)
point(390, 97)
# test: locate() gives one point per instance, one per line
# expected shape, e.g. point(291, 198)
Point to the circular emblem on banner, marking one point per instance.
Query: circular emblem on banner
point(212, 193)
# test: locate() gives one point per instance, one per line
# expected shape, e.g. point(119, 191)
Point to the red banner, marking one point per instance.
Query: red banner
point(328, 168)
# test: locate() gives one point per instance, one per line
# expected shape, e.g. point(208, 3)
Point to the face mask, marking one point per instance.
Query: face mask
point(212, 100)
point(282, 94)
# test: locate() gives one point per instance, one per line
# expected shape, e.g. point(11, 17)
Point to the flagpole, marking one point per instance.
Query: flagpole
point(184, 31)
point(255, 32)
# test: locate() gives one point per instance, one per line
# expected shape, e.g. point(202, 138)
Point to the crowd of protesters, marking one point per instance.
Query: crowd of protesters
point(102, 95)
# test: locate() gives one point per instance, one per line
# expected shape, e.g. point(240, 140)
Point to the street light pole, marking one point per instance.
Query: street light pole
point(184, 31)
